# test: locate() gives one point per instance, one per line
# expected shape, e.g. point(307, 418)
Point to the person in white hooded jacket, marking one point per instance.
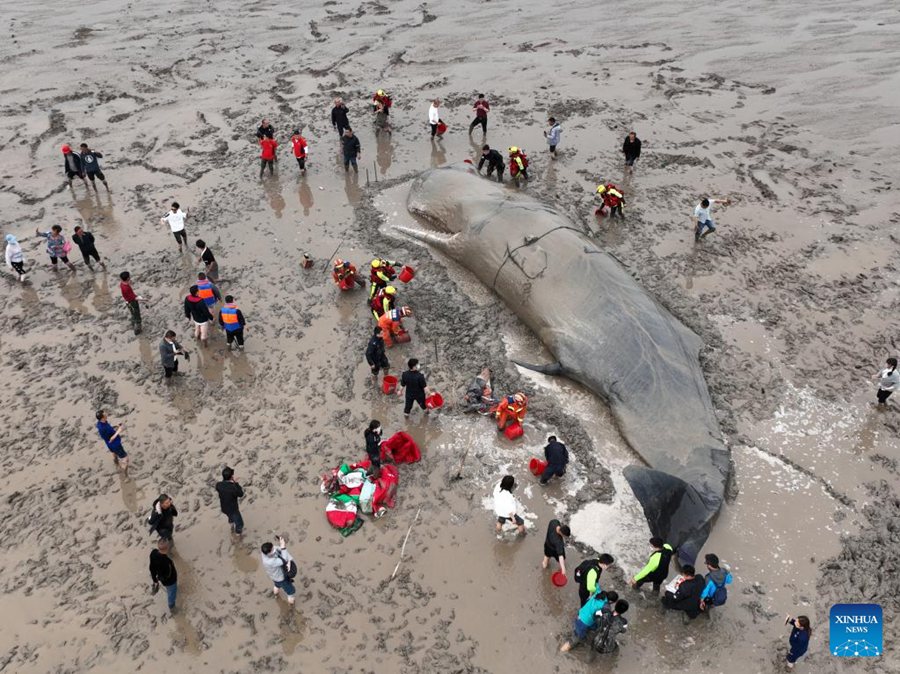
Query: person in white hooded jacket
point(505, 504)
point(15, 258)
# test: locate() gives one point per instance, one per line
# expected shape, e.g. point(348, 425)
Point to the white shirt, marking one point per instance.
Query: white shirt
point(702, 214)
point(272, 563)
point(175, 220)
point(434, 115)
point(889, 381)
point(504, 502)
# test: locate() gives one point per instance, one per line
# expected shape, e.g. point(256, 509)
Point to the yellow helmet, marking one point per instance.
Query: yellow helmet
point(521, 398)
point(513, 149)
point(376, 263)
point(390, 290)
point(601, 189)
point(338, 262)
point(380, 92)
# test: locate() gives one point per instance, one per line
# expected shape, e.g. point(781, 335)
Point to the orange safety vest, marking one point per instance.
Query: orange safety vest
point(205, 291)
point(230, 317)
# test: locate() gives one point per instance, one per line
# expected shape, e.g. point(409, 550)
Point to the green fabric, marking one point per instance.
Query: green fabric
point(350, 528)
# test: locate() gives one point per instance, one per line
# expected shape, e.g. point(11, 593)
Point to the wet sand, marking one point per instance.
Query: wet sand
point(790, 111)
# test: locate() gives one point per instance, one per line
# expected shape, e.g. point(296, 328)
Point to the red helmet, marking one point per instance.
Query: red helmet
point(66, 149)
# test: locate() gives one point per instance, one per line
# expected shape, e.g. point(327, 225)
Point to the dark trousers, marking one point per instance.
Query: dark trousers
point(233, 335)
point(434, 130)
point(550, 471)
point(883, 395)
point(171, 370)
point(88, 253)
point(19, 267)
point(615, 209)
point(380, 364)
point(656, 584)
point(350, 160)
point(236, 521)
point(181, 237)
point(165, 533)
point(262, 166)
point(135, 308)
point(301, 162)
point(410, 399)
point(499, 168)
point(476, 122)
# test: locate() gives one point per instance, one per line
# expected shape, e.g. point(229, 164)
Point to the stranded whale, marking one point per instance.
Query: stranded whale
point(605, 331)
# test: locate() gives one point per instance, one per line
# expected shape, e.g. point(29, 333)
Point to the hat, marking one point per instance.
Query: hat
point(601, 189)
point(376, 263)
point(66, 149)
point(520, 398)
point(513, 148)
point(338, 262)
point(11, 239)
point(296, 132)
point(390, 290)
point(380, 92)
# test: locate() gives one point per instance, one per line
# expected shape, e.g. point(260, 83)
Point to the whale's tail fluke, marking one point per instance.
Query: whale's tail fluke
point(554, 369)
point(674, 509)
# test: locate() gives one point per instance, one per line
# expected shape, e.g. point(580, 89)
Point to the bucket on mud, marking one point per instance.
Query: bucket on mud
point(434, 401)
point(407, 274)
point(536, 466)
point(559, 579)
point(514, 431)
point(402, 337)
point(389, 384)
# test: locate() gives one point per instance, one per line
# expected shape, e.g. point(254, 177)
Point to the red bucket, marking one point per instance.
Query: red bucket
point(514, 431)
point(406, 274)
point(536, 466)
point(389, 384)
point(434, 401)
point(559, 579)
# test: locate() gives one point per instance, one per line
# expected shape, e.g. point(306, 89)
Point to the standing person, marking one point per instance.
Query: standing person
point(557, 459)
point(301, 149)
point(612, 197)
point(162, 571)
point(208, 291)
point(372, 434)
point(175, 219)
point(518, 163)
point(412, 382)
point(799, 640)
point(555, 545)
point(888, 381)
point(494, 161)
point(553, 135)
point(481, 108)
point(505, 505)
point(434, 116)
point(277, 564)
point(382, 121)
point(339, 118)
point(714, 591)
point(112, 436)
point(162, 517)
point(587, 575)
point(72, 165)
point(351, 149)
point(15, 258)
point(195, 309)
point(381, 274)
point(702, 216)
point(169, 350)
point(265, 130)
point(686, 596)
point(85, 242)
point(132, 301)
point(90, 161)
point(656, 570)
point(57, 247)
point(631, 148)
point(208, 259)
point(229, 492)
point(232, 320)
point(382, 99)
point(267, 155)
point(375, 353)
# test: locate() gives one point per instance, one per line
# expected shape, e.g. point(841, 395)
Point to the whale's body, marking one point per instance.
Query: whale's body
point(605, 331)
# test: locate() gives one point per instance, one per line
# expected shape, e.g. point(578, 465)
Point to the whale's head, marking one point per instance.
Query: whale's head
point(441, 199)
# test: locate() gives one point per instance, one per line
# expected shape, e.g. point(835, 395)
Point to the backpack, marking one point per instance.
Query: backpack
point(289, 568)
point(581, 571)
point(720, 596)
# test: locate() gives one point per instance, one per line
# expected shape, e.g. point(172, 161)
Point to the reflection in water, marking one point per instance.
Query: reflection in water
point(438, 153)
point(351, 187)
point(245, 557)
point(384, 152)
point(273, 193)
point(132, 495)
point(293, 627)
point(185, 635)
point(306, 195)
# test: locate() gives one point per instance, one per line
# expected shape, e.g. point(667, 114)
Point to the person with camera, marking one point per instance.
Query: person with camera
point(229, 492)
point(162, 517)
point(280, 567)
point(162, 571)
point(169, 350)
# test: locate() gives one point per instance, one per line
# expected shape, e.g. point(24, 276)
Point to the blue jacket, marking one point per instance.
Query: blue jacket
point(591, 606)
point(799, 642)
point(715, 578)
point(106, 431)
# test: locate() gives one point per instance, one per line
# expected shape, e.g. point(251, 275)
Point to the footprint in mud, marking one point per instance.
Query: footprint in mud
point(293, 627)
point(185, 636)
point(244, 557)
point(132, 495)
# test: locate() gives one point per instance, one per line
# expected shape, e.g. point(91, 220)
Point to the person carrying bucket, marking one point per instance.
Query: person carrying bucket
point(381, 274)
point(557, 459)
point(391, 326)
point(511, 410)
point(345, 275)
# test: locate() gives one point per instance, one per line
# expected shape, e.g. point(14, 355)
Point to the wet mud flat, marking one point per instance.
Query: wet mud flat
point(791, 295)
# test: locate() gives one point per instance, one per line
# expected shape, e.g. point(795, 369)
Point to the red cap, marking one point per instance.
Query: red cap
point(66, 149)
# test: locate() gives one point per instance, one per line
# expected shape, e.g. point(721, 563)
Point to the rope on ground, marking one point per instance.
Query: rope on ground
point(403, 547)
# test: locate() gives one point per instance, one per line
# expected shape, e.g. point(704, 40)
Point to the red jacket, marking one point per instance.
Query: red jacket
point(299, 143)
point(268, 146)
point(127, 292)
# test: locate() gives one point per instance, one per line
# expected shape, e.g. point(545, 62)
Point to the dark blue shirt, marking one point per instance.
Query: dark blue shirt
point(799, 641)
point(106, 431)
point(556, 454)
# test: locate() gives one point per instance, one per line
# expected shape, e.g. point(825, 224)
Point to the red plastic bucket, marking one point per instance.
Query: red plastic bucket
point(389, 384)
point(536, 466)
point(407, 274)
point(514, 431)
point(559, 579)
point(434, 401)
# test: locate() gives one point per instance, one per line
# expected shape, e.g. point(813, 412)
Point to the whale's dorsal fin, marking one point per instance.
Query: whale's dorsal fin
point(552, 368)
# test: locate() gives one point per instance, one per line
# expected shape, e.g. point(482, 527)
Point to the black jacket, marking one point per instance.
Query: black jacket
point(375, 351)
point(85, 242)
point(162, 569)
point(195, 308)
point(76, 159)
point(414, 383)
point(493, 158)
point(687, 596)
point(163, 520)
point(229, 493)
point(89, 161)
point(632, 150)
point(556, 454)
point(373, 445)
point(351, 146)
point(339, 117)
point(265, 132)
